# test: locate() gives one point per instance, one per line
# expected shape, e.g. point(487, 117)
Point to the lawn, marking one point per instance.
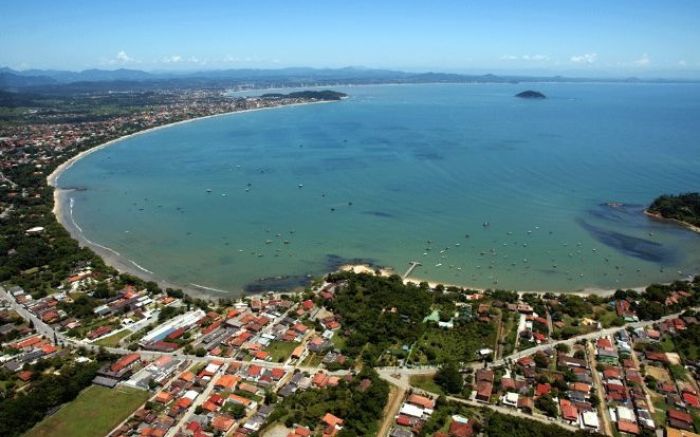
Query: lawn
point(280, 350)
point(94, 413)
point(114, 339)
point(427, 383)
point(438, 345)
point(338, 341)
point(659, 409)
point(312, 360)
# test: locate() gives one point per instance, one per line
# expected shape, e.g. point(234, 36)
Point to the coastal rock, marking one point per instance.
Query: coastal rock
point(530, 94)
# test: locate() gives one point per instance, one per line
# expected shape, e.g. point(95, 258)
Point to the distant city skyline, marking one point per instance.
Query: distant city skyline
point(594, 38)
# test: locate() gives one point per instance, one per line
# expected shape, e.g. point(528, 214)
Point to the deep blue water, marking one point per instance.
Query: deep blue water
point(411, 172)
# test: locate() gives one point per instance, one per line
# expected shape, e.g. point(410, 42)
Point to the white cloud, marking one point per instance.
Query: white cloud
point(586, 58)
point(534, 58)
point(172, 59)
point(121, 58)
point(643, 61)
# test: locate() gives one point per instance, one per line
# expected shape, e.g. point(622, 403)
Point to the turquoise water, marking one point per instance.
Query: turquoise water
point(481, 188)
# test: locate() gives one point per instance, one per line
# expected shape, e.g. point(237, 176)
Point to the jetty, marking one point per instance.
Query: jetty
point(411, 268)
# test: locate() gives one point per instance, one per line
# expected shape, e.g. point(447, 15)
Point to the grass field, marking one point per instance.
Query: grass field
point(114, 339)
point(427, 383)
point(280, 350)
point(93, 413)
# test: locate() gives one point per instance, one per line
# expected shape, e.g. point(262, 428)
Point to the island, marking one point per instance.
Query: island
point(530, 94)
point(682, 208)
point(308, 95)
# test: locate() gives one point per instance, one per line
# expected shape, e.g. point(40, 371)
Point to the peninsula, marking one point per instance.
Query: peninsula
point(682, 208)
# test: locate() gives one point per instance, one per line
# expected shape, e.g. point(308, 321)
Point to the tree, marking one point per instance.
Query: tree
point(541, 361)
point(562, 347)
point(547, 405)
point(449, 378)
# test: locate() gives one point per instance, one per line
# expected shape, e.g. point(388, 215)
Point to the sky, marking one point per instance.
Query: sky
point(658, 38)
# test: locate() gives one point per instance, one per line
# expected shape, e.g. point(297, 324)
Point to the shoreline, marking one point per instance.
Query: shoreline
point(659, 217)
point(388, 271)
point(112, 258)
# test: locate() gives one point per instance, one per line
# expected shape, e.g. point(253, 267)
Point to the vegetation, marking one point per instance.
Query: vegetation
point(427, 383)
point(114, 339)
point(93, 413)
point(361, 410)
point(309, 94)
point(21, 412)
point(449, 378)
point(502, 425)
point(682, 207)
point(687, 343)
point(379, 312)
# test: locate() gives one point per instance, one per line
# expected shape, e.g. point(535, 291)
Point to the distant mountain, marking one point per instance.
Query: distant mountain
point(95, 80)
point(10, 80)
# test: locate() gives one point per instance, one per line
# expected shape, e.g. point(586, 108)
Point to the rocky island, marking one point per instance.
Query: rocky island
point(682, 208)
point(530, 94)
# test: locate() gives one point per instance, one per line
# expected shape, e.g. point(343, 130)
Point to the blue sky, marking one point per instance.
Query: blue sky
point(592, 37)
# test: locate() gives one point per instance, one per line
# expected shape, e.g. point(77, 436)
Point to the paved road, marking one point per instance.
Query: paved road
point(425, 370)
point(47, 331)
point(405, 385)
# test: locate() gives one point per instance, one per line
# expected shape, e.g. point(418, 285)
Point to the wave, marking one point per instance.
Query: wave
point(209, 288)
point(140, 267)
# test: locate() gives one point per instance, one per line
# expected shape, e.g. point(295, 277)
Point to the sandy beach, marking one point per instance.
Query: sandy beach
point(388, 271)
point(659, 217)
point(63, 212)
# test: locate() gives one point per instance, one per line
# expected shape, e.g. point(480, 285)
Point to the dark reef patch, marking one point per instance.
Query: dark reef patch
point(429, 156)
point(281, 283)
point(380, 214)
point(334, 262)
point(640, 248)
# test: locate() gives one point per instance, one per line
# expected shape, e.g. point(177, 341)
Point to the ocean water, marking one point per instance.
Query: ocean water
point(481, 188)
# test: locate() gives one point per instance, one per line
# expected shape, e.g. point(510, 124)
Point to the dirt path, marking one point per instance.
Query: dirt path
point(600, 392)
point(393, 404)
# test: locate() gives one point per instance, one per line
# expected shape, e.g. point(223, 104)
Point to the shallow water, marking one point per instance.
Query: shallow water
point(481, 188)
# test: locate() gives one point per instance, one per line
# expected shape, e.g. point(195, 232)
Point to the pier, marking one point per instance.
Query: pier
point(411, 268)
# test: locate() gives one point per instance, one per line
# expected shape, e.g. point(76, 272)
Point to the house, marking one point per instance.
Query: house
point(510, 399)
point(484, 389)
point(628, 427)
point(526, 404)
point(568, 411)
point(421, 401)
point(679, 419)
point(543, 389)
point(590, 420)
point(332, 424)
point(222, 423)
point(411, 410)
point(125, 362)
point(460, 427)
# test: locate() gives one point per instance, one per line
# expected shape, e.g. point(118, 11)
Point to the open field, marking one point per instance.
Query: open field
point(92, 414)
point(114, 339)
point(427, 383)
point(280, 350)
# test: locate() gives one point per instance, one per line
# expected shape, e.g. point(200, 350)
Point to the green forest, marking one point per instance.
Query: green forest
point(683, 207)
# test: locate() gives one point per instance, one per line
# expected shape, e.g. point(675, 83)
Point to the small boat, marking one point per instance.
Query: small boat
point(438, 264)
point(301, 186)
point(208, 190)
